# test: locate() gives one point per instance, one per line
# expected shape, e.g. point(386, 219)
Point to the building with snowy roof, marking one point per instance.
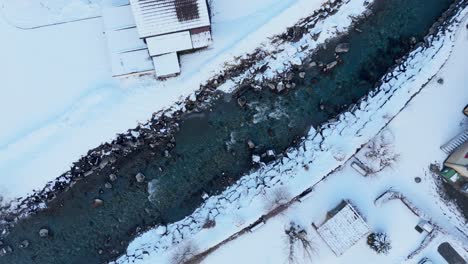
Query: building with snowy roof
point(147, 35)
point(343, 228)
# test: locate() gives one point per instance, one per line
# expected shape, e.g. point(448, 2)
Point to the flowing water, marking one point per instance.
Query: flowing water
point(211, 150)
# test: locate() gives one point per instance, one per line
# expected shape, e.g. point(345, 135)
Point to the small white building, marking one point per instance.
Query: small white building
point(343, 228)
point(147, 35)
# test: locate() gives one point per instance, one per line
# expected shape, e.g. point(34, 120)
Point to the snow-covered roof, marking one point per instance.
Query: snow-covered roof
point(166, 65)
point(118, 17)
point(169, 43)
point(124, 40)
point(343, 229)
point(158, 17)
point(132, 62)
point(128, 53)
point(202, 39)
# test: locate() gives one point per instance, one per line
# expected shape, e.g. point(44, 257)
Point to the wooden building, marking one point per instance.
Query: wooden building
point(155, 31)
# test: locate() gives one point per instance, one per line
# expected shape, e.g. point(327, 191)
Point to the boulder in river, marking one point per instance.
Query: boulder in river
point(331, 65)
point(255, 158)
point(112, 177)
point(280, 86)
point(241, 101)
point(302, 75)
point(5, 250)
point(44, 232)
point(97, 202)
point(250, 144)
point(140, 177)
point(24, 244)
point(108, 185)
point(342, 48)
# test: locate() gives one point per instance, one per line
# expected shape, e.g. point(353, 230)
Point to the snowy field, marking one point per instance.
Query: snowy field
point(61, 100)
point(243, 203)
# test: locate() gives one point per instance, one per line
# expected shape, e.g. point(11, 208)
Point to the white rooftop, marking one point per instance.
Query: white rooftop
point(128, 53)
point(157, 17)
point(169, 43)
point(118, 17)
point(132, 62)
point(166, 65)
point(124, 40)
point(343, 230)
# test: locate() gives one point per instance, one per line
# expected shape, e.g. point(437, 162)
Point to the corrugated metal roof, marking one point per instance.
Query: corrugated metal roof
point(157, 17)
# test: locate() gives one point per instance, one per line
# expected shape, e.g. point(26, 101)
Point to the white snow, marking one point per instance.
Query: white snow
point(244, 202)
point(64, 102)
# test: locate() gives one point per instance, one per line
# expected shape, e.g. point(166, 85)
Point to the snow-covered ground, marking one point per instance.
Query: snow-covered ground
point(59, 100)
point(322, 152)
point(432, 118)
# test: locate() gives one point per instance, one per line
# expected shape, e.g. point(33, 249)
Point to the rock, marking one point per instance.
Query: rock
point(270, 153)
point(161, 230)
point(288, 86)
point(108, 185)
point(358, 30)
point(100, 251)
point(322, 107)
point(413, 41)
point(255, 158)
point(312, 64)
point(140, 177)
point(24, 244)
point(302, 75)
point(44, 232)
point(241, 101)
point(342, 48)
point(97, 202)
point(86, 174)
point(250, 144)
point(5, 250)
point(280, 87)
point(331, 65)
point(271, 86)
point(112, 177)
point(1, 243)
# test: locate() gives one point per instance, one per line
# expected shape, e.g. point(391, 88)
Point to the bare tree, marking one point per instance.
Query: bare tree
point(184, 253)
point(298, 239)
point(380, 153)
point(279, 196)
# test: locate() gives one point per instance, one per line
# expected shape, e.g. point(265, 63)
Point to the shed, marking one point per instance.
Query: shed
point(343, 228)
point(145, 32)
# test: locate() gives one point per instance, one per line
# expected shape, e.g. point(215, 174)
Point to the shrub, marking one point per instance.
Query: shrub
point(184, 253)
point(379, 242)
